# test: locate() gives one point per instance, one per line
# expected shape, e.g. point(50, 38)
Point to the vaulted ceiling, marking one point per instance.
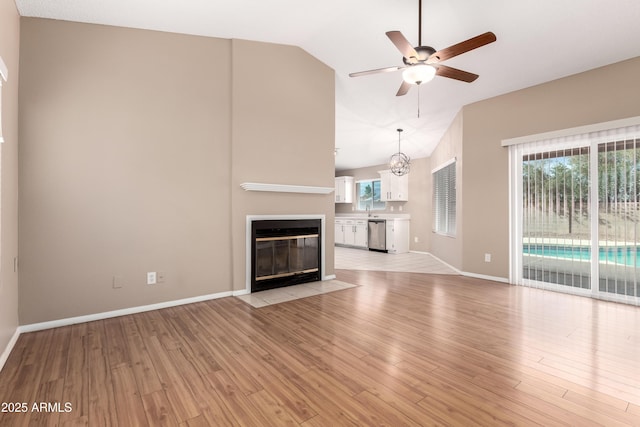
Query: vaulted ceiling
point(537, 41)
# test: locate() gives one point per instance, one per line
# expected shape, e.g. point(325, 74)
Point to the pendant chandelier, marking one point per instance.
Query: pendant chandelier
point(399, 163)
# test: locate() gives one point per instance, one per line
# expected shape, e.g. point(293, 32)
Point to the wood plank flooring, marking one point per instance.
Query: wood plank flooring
point(399, 349)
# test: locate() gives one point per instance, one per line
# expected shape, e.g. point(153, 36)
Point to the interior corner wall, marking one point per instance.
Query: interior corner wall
point(9, 51)
point(449, 248)
point(283, 133)
point(124, 168)
point(600, 95)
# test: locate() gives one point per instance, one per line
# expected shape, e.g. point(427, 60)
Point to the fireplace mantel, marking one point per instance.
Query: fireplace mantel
point(285, 188)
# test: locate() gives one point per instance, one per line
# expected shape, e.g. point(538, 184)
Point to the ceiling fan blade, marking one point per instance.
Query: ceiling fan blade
point(462, 47)
point(404, 88)
point(403, 46)
point(376, 71)
point(454, 73)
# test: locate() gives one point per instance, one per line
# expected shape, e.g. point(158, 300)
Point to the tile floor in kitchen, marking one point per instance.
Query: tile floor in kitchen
point(361, 259)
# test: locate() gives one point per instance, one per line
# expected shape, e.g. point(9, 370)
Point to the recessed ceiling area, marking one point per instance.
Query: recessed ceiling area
point(536, 42)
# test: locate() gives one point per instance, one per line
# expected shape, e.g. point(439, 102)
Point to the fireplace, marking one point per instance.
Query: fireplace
point(285, 252)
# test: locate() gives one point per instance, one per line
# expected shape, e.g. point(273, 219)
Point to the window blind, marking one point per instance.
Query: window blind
point(444, 199)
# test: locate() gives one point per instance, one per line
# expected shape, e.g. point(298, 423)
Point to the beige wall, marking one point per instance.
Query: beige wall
point(133, 145)
point(600, 95)
point(283, 133)
point(9, 46)
point(419, 205)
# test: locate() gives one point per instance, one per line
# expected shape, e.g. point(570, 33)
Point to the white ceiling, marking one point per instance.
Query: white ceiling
point(538, 41)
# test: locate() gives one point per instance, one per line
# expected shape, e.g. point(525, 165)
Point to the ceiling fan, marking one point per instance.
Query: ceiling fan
point(423, 63)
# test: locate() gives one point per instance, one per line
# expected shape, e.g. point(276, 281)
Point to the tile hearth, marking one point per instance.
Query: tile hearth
point(351, 259)
point(290, 293)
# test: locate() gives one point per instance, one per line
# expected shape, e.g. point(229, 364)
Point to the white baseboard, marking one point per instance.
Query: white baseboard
point(140, 309)
point(7, 351)
point(116, 313)
point(485, 277)
point(100, 316)
point(439, 260)
point(466, 273)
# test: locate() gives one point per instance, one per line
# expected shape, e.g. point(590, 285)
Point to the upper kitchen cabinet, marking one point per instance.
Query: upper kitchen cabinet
point(393, 188)
point(344, 189)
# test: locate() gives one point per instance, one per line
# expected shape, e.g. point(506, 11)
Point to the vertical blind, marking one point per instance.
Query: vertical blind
point(444, 199)
point(576, 214)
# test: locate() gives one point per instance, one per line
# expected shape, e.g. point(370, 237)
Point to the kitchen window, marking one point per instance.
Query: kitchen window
point(368, 194)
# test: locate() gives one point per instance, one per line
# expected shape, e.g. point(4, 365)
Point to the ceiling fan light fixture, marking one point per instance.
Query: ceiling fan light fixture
point(418, 74)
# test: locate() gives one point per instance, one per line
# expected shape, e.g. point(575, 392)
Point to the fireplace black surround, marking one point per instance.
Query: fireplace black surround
point(285, 252)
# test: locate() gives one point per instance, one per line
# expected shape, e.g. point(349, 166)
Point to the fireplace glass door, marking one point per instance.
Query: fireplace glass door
point(285, 256)
point(285, 252)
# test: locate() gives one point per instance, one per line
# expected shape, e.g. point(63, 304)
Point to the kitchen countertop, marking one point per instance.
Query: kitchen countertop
point(374, 216)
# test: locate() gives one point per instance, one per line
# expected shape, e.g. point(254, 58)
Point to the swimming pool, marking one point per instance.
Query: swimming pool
point(625, 255)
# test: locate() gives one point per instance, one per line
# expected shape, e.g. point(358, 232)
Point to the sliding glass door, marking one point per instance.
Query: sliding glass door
point(618, 217)
point(575, 223)
point(556, 232)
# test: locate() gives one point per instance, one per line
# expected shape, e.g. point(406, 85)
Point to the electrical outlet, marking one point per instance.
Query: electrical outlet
point(415, 239)
point(487, 257)
point(151, 278)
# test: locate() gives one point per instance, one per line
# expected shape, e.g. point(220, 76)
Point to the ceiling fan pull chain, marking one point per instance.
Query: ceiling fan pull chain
point(418, 101)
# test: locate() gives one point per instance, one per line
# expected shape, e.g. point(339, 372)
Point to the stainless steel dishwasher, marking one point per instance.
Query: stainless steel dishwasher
point(378, 235)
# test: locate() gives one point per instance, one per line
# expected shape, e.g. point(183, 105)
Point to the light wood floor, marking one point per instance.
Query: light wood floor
point(400, 349)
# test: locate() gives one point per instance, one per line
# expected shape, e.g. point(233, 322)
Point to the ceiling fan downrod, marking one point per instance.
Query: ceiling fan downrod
point(419, 22)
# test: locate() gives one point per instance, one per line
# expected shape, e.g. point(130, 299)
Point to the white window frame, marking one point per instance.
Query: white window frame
point(590, 135)
point(357, 196)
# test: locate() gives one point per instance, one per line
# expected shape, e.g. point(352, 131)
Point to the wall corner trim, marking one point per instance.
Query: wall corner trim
point(7, 351)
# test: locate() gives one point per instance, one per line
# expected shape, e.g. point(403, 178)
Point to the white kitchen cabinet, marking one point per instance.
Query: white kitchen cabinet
point(361, 234)
point(344, 189)
point(393, 188)
point(339, 232)
point(397, 236)
point(351, 232)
